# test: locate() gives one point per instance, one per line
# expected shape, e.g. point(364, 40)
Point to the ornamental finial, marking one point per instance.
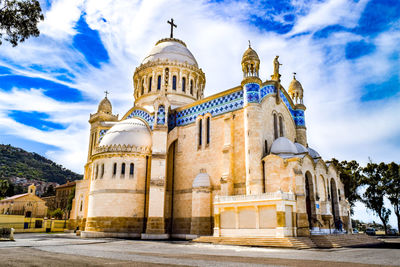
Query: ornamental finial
point(107, 93)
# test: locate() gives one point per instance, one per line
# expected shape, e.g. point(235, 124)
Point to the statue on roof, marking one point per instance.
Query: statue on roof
point(276, 76)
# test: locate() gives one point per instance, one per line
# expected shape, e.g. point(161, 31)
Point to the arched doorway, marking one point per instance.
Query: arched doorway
point(310, 198)
point(334, 201)
point(170, 186)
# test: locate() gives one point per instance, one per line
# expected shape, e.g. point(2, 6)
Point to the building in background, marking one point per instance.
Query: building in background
point(27, 204)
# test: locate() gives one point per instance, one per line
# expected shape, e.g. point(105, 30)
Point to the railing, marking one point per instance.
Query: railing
point(265, 196)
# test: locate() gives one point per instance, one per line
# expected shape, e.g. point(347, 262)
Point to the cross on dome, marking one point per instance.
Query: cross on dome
point(107, 93)
point(172, 27)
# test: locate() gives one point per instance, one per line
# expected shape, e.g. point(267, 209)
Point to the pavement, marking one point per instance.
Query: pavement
point(68, 250)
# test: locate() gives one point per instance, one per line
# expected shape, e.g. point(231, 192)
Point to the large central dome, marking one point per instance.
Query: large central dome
point(171, 49)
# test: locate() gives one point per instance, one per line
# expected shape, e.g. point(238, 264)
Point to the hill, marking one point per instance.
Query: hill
point(16, 162)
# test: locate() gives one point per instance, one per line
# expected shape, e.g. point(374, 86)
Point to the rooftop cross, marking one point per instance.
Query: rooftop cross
point(107, 93)
point(294, 75)
point(249, 44)
point(172, 27)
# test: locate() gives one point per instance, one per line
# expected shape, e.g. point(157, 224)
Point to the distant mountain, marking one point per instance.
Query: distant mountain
point(16, 162)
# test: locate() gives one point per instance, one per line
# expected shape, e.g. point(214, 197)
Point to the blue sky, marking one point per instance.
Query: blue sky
point(345, 54)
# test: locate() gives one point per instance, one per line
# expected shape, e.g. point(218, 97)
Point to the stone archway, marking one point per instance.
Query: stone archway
point(310, 199)
point(170, 186)
point(334, 201)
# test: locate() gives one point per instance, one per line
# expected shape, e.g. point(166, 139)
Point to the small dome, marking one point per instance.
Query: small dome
point(282, 145)
point(295, 85)
point(314, 154)
point(132, 132)
point(105, 106)
point(202, 180)
point(300, 148)
point(250, 55)
point(171, 49)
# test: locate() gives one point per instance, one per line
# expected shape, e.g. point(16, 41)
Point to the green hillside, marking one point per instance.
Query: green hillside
point(16, 162)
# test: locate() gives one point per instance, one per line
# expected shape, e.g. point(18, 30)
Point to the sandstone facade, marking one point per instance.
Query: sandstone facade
point(180, 165)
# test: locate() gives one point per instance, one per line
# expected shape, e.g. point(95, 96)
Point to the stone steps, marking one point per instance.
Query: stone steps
point(285, 242)
point(337, 241)
point(327, 241)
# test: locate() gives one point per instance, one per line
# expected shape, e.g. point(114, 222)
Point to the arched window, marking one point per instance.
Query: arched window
point(142, 91)
point(131, 169)
point(280, 126)
point(275, 127)
point(123, 169)
point(200, 131)
point(174, 82)
point(102, 171)
point(97, 171)
point(208, 130)
point(191, 87)
point(183, 84)
point(150, 80)
point(159, 82)
point(266, 147)
point(115, 169)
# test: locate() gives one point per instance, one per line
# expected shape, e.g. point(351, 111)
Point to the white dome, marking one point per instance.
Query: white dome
point(300, 148)
point(132, 132)
point(171, 50)
point(282, 145)
point(201, 180)
point(314, 154)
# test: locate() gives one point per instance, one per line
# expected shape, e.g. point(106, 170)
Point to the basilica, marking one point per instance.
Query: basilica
point(181, 165)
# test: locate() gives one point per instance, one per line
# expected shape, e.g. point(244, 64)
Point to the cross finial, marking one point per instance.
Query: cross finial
point(294, 75)
point(107, 93)
point(172, 27)
point(249, 44)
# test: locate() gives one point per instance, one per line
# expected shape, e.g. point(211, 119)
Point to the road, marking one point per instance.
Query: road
point(69, 250)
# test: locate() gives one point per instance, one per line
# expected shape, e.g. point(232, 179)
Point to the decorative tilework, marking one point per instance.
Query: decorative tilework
point(252, 92)
point(217, 106)
point(171, 120)
point(267, 90)
point(143, 115)
point(298, 114)
point(102, 133)
point(161, 115)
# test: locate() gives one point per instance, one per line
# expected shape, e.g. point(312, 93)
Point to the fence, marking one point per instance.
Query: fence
point(23, 224)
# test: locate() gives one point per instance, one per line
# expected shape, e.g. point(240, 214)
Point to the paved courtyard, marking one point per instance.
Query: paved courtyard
point(69, 250)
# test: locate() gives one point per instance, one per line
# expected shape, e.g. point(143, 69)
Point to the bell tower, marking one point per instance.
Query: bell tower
point(296, 93)
point(251, 84)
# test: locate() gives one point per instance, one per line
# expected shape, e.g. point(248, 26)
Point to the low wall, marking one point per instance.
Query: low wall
point(22, 224)
point(7, 234)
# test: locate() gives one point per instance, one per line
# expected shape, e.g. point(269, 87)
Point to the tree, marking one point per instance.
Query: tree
point(375, 192)
point(58, 213)
point(4, 185)
point(351, 177)
point(392, 184)
point(49, 191)
point(19, 19)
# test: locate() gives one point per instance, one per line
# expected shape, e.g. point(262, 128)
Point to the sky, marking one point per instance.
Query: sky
point(345, 54)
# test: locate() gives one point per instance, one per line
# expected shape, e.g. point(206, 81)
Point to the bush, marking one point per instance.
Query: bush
point(58, 213)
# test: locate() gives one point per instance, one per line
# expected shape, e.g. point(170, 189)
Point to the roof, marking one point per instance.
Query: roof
point(171, 49)
point(68, 184)
point(13, 197)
